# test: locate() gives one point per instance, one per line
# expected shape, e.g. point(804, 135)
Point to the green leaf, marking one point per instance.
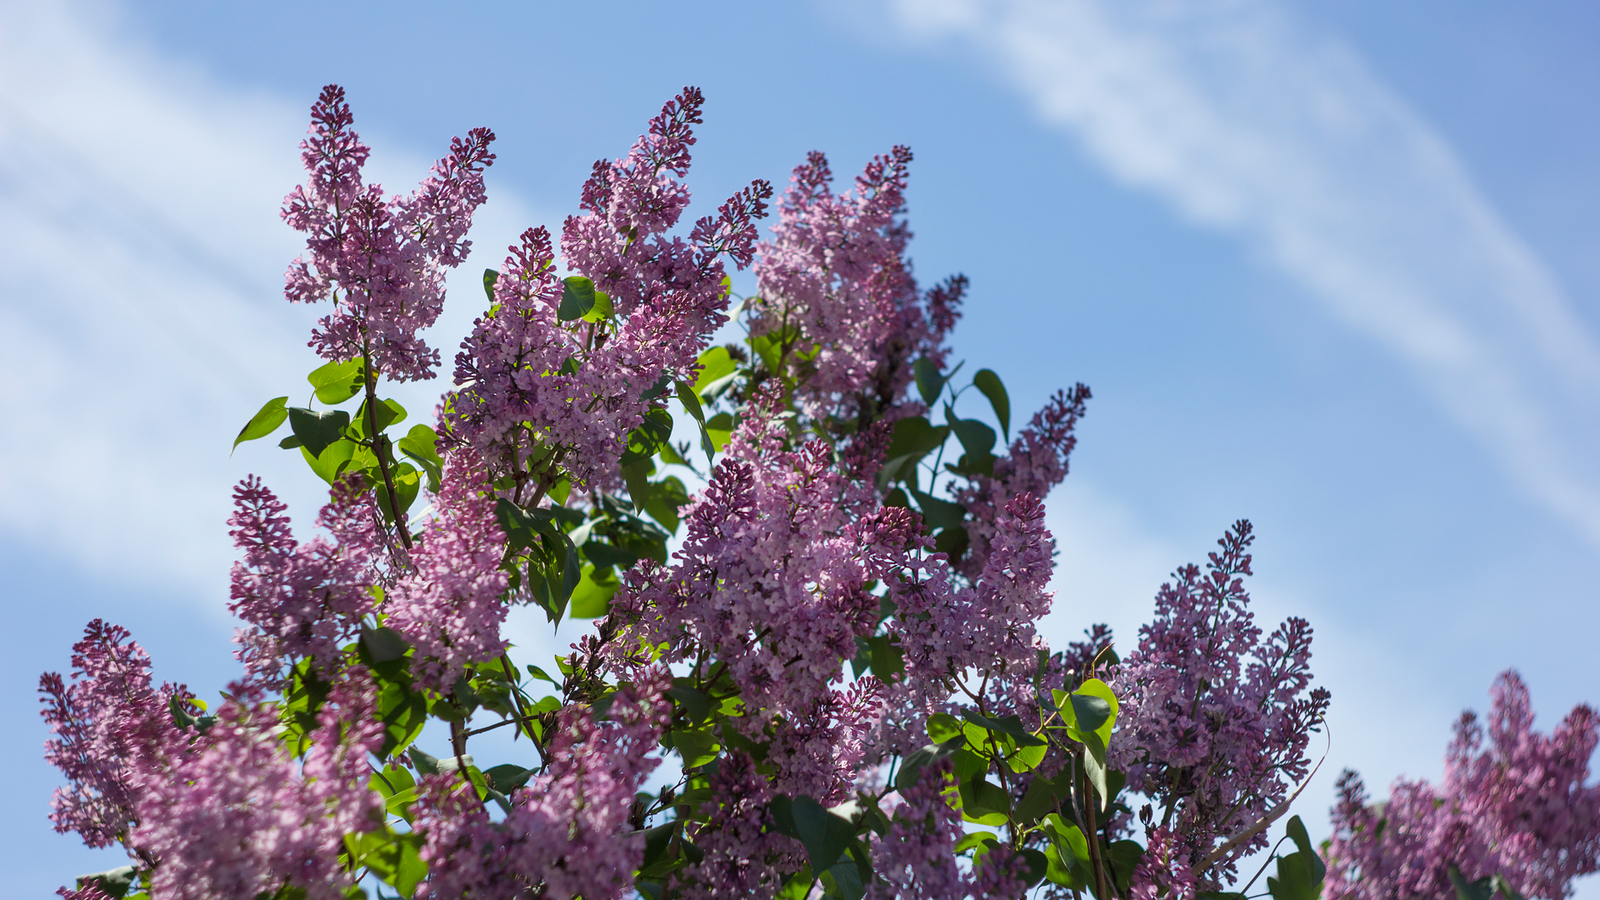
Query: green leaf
point(336, 459)
point(667, 496)
point(337, 382)
point(388, 413)
point(888, 661)
point(264, 422)
point(1010, 726)
point(577, 298)
point(943, 727)
point(506, 777)
point(715, 364)
point(384, 644)
point(695, 702)
point(1504, 888)
point(1302, 841)
point(602, 307)
point(114, 882)
point(317, 430)
point(1124, 857)
point(984, 802)
point(697, 747)
point(1296, 880)
point(937, 513)
point(490, 276)
point(1038, 865)
point(421, 444)
point(824, 834)
point(916, 436)
point(929, 382)
point(719, 428)
point(911, 766)
point(989, 383)
point(591, 599)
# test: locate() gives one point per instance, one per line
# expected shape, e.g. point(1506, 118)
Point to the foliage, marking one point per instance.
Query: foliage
point(819, 673)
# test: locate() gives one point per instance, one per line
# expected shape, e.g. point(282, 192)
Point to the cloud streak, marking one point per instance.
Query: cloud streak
point(1249, 124)
point(141, 308)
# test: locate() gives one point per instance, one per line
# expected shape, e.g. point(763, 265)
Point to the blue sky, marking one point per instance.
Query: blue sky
point(1329, 266)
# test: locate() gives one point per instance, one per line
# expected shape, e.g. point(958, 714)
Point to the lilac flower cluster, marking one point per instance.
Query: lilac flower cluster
point(234, 814)
point(1035, 464)
point(945, 629)
point(533, 385)
point(1519, 808)
point(1215, 719)
point(451, 603)
point(567, 834)
point(300, 600)
point(916, 858)
point(772, 581)
point(381, 260)
point(104, 722)
point(838, 295)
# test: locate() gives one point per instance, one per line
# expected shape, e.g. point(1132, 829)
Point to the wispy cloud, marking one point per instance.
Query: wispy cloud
point(1249, 123)
point(141, 314)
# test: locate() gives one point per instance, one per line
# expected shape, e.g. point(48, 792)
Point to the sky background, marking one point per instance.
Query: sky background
point(1328, 266)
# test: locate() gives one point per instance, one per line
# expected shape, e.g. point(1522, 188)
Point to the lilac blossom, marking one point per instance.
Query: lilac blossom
point(103, 722)
point(300, 600)
point(571, 392)
point(1163, 872)
point(837, 293)
point(450, 606)
point(916, 858)
point(1519, 808)
point(1036, 463)
point(235, 814)
point(772, 582)
point(1215, 719)
point(743, 855)
point(945, 629)
point(382, 261)
point(568, 831)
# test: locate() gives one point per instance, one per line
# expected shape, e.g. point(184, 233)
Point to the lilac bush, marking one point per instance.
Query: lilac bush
point(818, 674)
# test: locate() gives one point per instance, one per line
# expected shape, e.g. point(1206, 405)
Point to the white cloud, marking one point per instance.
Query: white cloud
point(1249, 124)
point(141, 314)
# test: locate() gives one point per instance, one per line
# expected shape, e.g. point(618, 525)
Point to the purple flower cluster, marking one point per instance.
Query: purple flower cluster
point(451, 603)
point(104, 722)
point(300, 600)
point(571, 392)
point(1215, 719)
point(235, 814)
point(1519, 808)
point(381, 260)
point(1035, 464)
point(772, 580)
point(567, 834)
point(945, 629)
point(916, 858)
point(837, 293)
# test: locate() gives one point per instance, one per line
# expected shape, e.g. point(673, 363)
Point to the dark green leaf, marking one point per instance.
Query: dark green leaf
point(694, 701)
point(943, 727)
point(316, 430)
point(426, 763)
point(1038, 865)
point(989, 383)
point(982, 799)
point(665, 498)
point(888, 661)
point(929, 381)
point(506, 777)
point(264, 422)
point(421, 444)
point(114, 882)
point(1010, 726)
point(1124, 857)
point(490, 276)
point(577, 298)
point(937, 513)
point(824, 834)
point(337, 382)
point(602, 308)
point(976, 438)
point(915, 436)
point(911, 766)
point(384, 644)
point(697, 747)
point(1297, 832)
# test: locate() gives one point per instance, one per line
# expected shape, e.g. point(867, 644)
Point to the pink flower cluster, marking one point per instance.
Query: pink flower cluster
point(1035, 464)
point(1215, 720)
point(567, 834)
point(451, 603)
point(103, 723)
point(837, 292)
point(300, 600)
point(234, 814)
point(945, 629)
point(532, 383)
point(772, 580)
point(916, 858)
point(1519, 808)
point(381, 260)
